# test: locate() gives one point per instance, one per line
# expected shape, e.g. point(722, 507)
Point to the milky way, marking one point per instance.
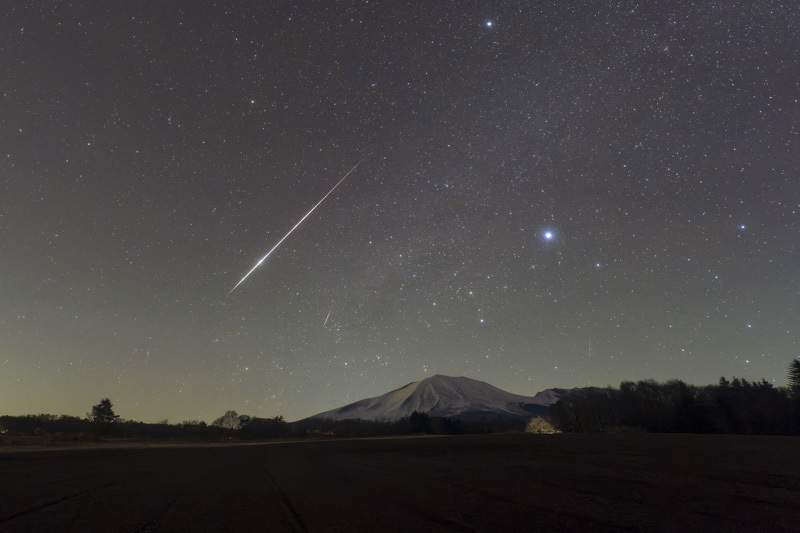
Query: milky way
point(557, 194)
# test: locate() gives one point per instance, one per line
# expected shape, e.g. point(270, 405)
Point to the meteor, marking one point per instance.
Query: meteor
point(294, 228)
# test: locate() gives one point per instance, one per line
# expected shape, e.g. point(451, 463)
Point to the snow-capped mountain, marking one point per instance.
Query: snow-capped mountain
point(447, 397)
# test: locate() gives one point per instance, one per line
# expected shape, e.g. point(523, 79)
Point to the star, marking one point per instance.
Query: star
point(548, 191)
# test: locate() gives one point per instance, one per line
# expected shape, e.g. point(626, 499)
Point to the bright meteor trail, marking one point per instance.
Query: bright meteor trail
point(294, 228)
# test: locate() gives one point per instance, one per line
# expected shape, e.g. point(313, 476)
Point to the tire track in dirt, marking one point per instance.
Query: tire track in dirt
point(58, 501)
point(151, 524)
point(292, 516)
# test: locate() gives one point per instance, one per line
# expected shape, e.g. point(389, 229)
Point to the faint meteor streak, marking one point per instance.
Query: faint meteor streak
point(294, 228)
point(327, 317)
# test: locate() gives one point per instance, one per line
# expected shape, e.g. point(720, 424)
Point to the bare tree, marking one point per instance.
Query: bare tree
point(230, 420)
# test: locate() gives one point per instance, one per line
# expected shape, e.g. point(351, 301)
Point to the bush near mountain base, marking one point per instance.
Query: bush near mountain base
point(540, 426)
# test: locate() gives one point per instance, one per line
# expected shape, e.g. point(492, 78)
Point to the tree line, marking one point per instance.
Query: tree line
point(419, 422)
point(735, 406)
point(103, 422)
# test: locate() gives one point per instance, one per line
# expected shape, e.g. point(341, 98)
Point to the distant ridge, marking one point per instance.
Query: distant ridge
point(445, 396)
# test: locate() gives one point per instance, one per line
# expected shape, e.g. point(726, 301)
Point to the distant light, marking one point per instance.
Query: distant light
point(489, 23)
point(548, 235)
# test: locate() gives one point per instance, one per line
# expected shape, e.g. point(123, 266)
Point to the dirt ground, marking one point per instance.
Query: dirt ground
point(466, 483)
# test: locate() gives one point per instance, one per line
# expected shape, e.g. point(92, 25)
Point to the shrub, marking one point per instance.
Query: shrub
point(540, 426)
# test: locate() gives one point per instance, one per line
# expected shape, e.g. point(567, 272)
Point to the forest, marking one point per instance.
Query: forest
point(735, 406)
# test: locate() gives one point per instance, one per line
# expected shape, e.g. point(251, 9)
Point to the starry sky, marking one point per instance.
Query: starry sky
point(552, 194)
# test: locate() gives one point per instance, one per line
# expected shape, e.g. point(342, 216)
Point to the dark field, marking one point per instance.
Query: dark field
point(466, 483)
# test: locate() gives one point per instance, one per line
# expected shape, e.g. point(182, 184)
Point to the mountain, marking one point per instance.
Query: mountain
point(446, 396)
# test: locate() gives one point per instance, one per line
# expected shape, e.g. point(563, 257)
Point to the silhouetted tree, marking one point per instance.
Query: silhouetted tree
point(103, 417)
point(103, 413)
point(564, 415)
point(794, 396)
point(262, 428)
point(794, 379)
point(244, 421)
point(586, 411)
point(419, 422)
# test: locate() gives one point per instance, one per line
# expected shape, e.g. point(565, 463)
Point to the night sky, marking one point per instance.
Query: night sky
point(552, 194)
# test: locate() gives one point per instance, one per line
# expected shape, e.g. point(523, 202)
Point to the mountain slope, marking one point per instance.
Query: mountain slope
point(447, 397)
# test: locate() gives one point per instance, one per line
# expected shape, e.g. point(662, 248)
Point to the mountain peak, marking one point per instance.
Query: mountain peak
point(446, 396)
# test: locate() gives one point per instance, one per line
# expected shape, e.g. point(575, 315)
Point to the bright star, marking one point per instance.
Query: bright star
point(548, 235)
point(489, 23)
